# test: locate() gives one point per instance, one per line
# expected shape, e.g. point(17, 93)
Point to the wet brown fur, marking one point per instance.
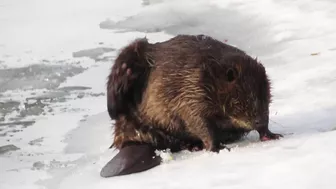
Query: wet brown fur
point(191, 90)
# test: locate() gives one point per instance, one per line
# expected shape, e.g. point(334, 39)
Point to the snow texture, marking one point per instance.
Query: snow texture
point(55, 57)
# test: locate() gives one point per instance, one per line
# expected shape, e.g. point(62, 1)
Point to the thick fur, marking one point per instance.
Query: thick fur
point(127, 79)
point(191, 90)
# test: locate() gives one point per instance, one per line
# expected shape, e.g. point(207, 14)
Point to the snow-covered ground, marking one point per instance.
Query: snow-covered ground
point(55, 57)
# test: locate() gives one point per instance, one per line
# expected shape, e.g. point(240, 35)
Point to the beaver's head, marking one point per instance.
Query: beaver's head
point(248, 92)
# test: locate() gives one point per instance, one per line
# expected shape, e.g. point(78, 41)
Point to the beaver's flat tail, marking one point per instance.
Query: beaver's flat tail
point(131, 159)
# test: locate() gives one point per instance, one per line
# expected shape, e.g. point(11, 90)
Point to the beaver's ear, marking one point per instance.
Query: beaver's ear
point(231, 74)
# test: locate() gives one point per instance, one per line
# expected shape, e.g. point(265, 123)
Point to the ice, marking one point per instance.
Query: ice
point(92, 53)
point(202, 17)
point(37, 76)
point(51, 30)
point(8, 148)
point(55, 57)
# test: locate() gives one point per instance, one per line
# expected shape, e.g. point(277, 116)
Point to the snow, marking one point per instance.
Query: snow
point(55, 57)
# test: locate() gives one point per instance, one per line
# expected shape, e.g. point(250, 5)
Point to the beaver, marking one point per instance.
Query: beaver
point(191, 91)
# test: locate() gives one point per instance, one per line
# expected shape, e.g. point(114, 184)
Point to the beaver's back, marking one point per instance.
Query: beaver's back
point(178, 80)
point(185, 51)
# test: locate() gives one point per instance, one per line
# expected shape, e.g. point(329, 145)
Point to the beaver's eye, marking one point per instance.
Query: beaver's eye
point(231, 74)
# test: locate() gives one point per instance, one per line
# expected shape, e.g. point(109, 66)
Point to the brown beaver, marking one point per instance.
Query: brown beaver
point(189, 91)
